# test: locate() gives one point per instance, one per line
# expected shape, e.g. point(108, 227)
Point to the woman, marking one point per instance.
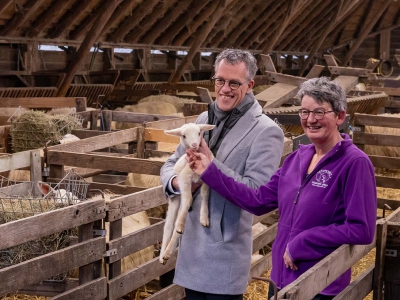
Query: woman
point(325, 192)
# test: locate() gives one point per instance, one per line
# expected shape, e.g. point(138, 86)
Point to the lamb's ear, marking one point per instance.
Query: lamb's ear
point(44, 188)
point(176, 132)
point(205, 127)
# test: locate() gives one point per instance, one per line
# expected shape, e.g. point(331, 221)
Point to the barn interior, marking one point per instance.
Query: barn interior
point(103, 59)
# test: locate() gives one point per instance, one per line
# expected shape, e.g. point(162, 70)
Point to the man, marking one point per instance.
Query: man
point(214, 262)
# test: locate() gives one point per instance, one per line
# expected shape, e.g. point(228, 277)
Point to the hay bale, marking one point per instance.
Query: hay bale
point(33, 129)
point(175, 101)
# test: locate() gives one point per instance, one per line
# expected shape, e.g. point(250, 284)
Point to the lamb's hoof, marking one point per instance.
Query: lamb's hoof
point(179, 231)
point(163, 260)
point(205, 223)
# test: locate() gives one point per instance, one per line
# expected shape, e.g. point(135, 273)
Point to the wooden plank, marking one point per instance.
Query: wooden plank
point(171, 292)
point(205, 95)
point(387, 182)
point(359, 288)
point(51, 264)
point(93, 290)
point(386, 90)
point(277, 95)
point(385, 162)
point(98, 142)
point(394, 216)
point(284, 78)
point(129, 204)
point(347, 82)
point(381, 238)
point(371, 120)
point(268, 63)
point(86, 133)
point(158, 135)
point(24, 230)
point(376, 139)
point(347, 71)
point(392, 104)
point(15, 161)
point(330, 60)
point(315, 71)
point(48, 288)
point(394, 204)
point(171, 124)
point(39, 102)
point(23, 188)
point(132, 279)
point(262, 265)
point(325, 272)
point(116, 188)
point(265, 238)
point(121, 164)
point(136, 241)
point(257, 219)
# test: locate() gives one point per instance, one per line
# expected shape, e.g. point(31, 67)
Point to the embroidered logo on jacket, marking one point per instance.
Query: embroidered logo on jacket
point(321, 178)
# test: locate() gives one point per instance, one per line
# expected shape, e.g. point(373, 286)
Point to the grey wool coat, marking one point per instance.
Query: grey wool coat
point(216, 259)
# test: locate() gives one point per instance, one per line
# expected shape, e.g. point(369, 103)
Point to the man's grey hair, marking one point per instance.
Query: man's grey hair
point(322, 89)
point(236, 56)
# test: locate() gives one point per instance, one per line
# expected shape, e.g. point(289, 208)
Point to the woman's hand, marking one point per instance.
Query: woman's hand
point(288, 262)
point(199, 160)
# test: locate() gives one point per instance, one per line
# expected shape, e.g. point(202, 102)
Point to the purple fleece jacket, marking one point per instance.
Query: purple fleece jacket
point(336, 204)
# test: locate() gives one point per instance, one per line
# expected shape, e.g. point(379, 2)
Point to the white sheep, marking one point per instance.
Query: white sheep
point(61, 197)
point(190, 136)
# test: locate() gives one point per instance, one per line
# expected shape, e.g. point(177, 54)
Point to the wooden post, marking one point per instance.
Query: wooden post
point(84, 49)
point(384, 45)
point(366, 31)
point(198, 41)
point(381, 235)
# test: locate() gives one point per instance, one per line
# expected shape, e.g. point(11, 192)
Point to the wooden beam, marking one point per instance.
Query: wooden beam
point(68, 19)
point(20, 17)
point(4, 4)
point(84, 49)
point(133, 20)
point(182, 22)
point(204, 31)
point(53, 12)
point(239, 28)
point(304, 22)
point(363, 34)
point(84, 26)
point(328, 27)
point(384, 45)
point(163, 24)
point(293, 9)
point(136, 34)
point(195, 24)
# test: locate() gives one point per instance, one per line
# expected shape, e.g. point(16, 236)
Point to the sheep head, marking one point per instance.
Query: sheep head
point(190, 134)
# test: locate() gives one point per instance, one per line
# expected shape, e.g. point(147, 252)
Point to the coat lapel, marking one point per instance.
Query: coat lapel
point(239, 131)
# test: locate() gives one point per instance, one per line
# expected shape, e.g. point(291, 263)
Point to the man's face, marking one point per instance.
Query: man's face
point(227, 98)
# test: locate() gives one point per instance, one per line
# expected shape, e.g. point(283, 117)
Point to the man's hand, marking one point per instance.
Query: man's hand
point(199, 160)
point(175, 185)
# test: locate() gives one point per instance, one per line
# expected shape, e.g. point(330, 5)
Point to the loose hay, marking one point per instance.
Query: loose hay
point(33, 129)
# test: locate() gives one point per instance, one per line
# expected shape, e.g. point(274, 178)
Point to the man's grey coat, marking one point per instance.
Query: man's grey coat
point(216, 259)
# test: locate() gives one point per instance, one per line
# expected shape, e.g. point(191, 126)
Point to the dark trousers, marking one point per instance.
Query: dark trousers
point(194, 295)
point(317, 297)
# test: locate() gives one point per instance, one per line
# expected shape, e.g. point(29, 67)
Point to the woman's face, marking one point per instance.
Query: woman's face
point(322, 130)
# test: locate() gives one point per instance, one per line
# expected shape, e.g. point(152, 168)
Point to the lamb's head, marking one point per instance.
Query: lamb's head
point(59, 196)
point(190, 134)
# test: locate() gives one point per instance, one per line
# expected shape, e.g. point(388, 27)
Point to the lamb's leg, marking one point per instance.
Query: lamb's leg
point(204, 191)
point(186, 201)
point(171, 247)
point(173, 207)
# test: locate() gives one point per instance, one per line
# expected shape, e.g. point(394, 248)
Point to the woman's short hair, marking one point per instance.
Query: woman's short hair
point(322, 89)
point(236, 56)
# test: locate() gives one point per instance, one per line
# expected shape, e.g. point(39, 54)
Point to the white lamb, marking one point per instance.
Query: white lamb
point(190, 136)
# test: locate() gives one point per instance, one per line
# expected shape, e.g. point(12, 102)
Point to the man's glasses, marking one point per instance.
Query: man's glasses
point(233, 84)
point(318, 113)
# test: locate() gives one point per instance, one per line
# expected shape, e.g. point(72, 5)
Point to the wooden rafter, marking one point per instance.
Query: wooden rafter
point(297, 27)
point(204, 31)
point(328, 27)
point(183, 21)
point(366, 30)
point(240, 27)
point(53, 12)
point(21, 17)
point(67, 21)
point(136, 34)
point(4, 4)
point(294, 8)
point(133, 20)
point(163, 24)
point(86, 23)
point(125, 6)
point(84, 49)
point(300, 34)
point(263, 24)
point(223, 23)
point(320, 25)
point(188, 30)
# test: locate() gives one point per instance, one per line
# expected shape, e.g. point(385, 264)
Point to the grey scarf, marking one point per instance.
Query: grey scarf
point(225, 120)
